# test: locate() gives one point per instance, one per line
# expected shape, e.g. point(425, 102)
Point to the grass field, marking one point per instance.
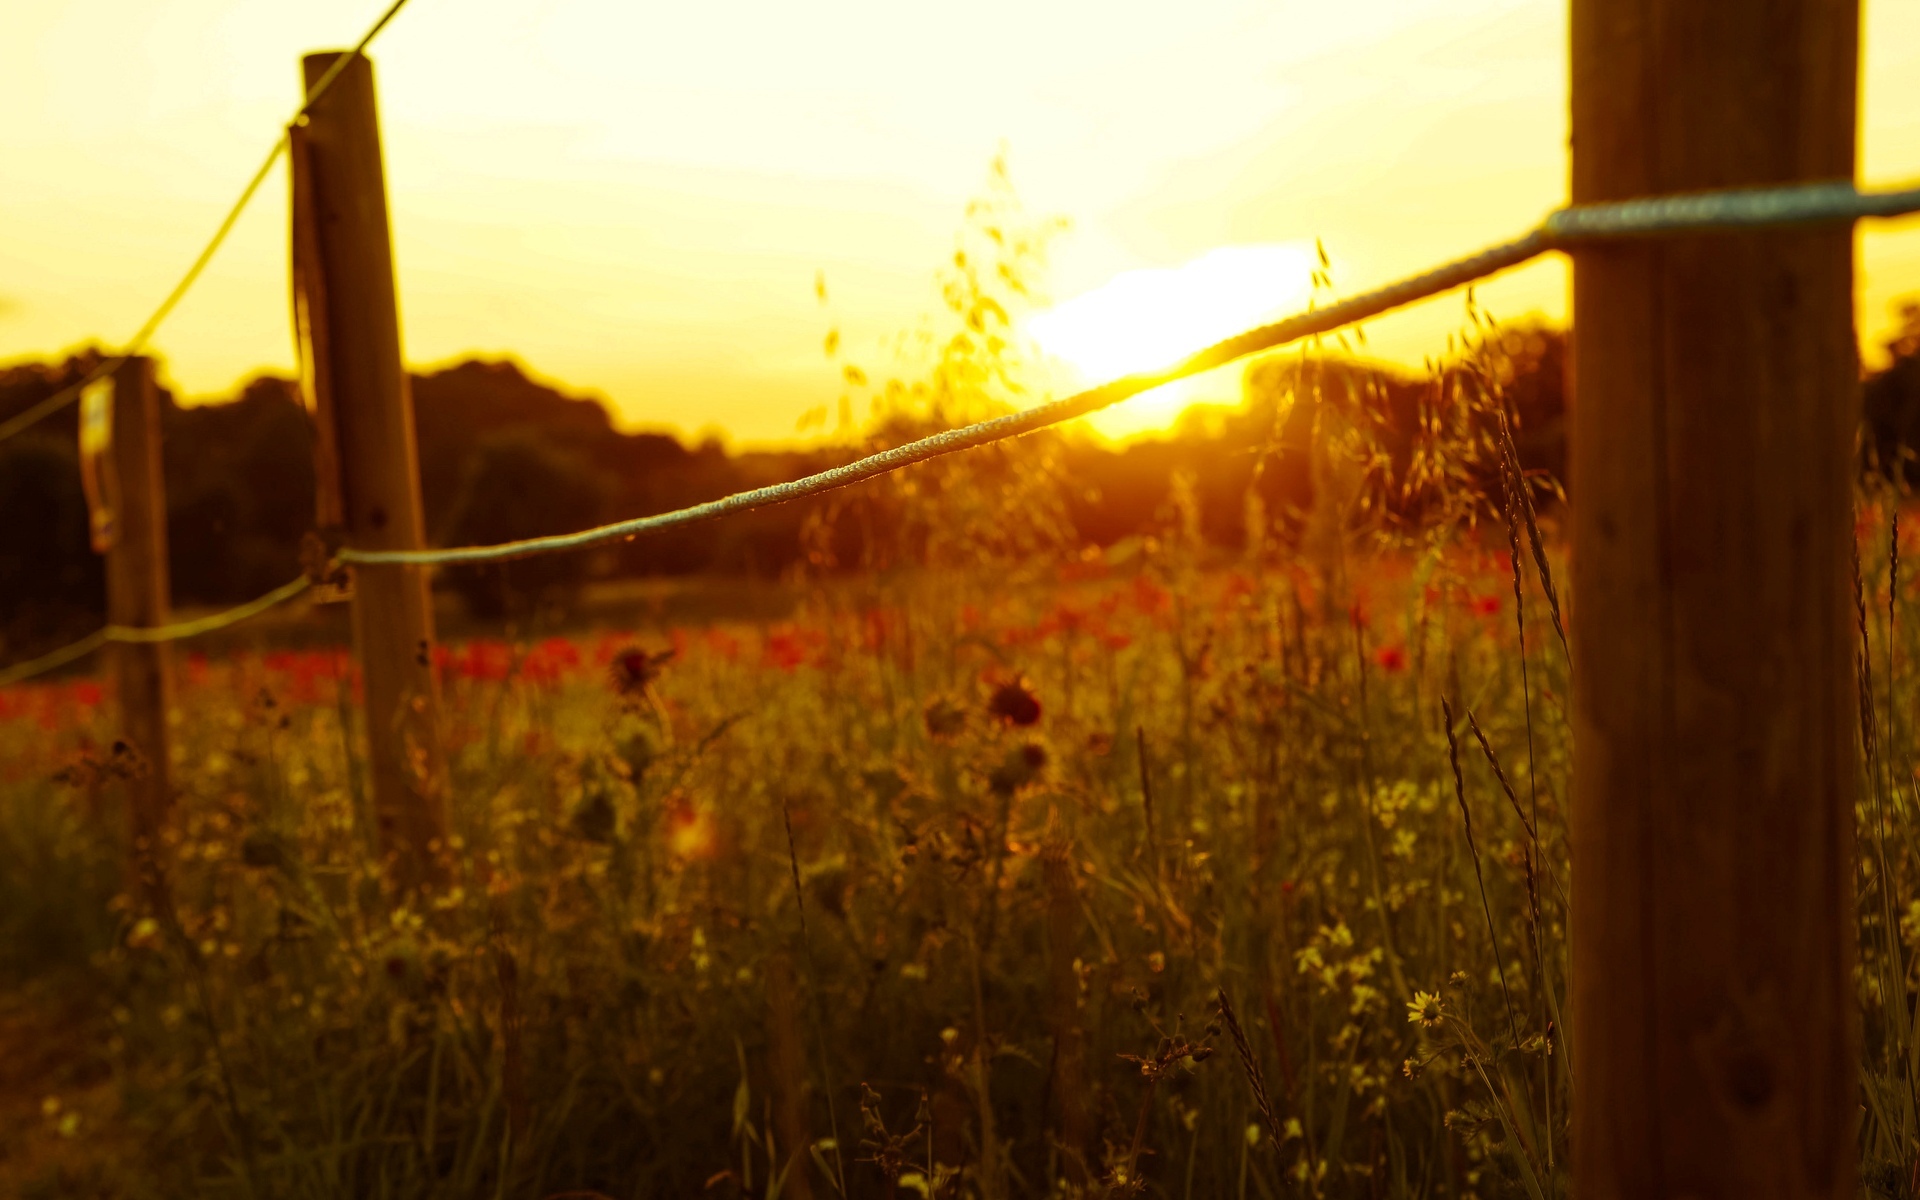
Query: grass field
point(1153, 872)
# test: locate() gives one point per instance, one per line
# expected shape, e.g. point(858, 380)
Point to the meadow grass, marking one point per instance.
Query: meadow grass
point(1154, 871)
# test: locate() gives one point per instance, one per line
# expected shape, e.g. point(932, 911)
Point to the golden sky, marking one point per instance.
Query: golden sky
point(635, 198)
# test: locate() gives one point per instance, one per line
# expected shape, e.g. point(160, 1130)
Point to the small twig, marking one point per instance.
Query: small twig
point(813, 989)
point(1146, 802)
point(1466, 818)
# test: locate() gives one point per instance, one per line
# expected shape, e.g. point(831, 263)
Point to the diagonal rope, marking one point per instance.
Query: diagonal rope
point(138, 342)
point(1706, 212)
point(158, 633)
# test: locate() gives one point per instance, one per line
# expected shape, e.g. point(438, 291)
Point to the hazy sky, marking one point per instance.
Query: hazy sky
point(635, 198)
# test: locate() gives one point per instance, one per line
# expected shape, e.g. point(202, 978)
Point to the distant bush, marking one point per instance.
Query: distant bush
point(1890, 404)
point(518, 485)
point(56, 584)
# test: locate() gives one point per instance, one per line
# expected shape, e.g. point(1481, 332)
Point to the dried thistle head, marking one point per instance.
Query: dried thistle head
point(888, 1151)
point(1015, 703)
point(944, 718)
point(1173, 1051)
point(1020, 767)
point(633, 670)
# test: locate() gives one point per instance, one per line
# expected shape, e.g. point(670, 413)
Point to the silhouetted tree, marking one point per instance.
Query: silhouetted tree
point(518, 485)
point(1890, 405)
point(55, 585)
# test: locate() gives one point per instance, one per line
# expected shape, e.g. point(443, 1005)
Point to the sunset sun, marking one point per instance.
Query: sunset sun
point(1147, 319)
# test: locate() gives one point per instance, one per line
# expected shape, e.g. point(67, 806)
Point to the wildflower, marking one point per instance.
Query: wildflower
point(786, 650)
point(944, 718)
point(690, 832)
point(1484, 606)
point(1149, 597)
point(486, 661)
point(723, 644)
point(1015, 703)
point(1021, 766)
point(1391, 658)
point(633, 669)
point(549, 660)
point(1424, 1010)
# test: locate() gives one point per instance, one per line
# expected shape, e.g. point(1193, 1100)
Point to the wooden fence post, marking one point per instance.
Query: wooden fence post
point(373, 434)
point(1714, 408)
point(138, 596)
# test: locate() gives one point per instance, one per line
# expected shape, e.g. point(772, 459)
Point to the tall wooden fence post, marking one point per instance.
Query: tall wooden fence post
point(138, 596)
point(1714, 408)
point(372, 411)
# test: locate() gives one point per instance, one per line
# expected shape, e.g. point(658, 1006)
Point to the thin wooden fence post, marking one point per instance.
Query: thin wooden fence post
point(372, 433)
point(1713, 417)
point(138, 596)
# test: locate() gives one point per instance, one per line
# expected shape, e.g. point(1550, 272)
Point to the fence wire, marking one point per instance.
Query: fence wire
point(150, 635)
point(138, 342)
point(1731, 210)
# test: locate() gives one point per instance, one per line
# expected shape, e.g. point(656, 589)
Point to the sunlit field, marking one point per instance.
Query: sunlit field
point(727, 657)
point(1152, 871)
point(935, 886)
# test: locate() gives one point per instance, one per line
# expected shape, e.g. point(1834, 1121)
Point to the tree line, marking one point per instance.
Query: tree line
point(504, 456)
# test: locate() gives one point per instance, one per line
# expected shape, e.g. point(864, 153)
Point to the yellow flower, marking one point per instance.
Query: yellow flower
point(1424, 1009)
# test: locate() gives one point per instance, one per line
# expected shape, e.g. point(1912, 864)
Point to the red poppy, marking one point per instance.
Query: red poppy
point(1391, 658)
point(1149, 597)
point(1064, 618)
point(550, 660)
point(1484, 606)
point(722, 643)
point(785, 650)
point(486, 660)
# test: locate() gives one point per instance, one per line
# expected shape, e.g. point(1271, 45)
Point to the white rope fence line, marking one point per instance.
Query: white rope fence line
point(65, 396)
point(1705, 212)
point(158, 633)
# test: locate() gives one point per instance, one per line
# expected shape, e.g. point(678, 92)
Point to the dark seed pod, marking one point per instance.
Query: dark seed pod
point(1015, 703)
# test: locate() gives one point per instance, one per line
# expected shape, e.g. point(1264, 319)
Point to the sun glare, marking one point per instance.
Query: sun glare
point(1147, 319)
